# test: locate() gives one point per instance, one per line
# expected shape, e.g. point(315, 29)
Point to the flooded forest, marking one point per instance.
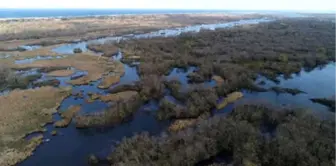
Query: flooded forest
point(205, 90)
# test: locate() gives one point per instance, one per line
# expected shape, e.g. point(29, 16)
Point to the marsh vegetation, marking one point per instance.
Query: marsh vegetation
point(239, 55)
point(24, 112)
point(196, 130)
point(55, 31)
point(249, 135)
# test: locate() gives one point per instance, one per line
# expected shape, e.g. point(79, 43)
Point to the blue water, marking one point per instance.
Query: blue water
point(318, 83)
point(73, 146)
point(43, 13)
point(31, 60)
point(35, 13)
point(68, 48)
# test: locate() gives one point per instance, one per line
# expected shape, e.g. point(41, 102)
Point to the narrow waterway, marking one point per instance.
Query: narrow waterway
point(72, 146)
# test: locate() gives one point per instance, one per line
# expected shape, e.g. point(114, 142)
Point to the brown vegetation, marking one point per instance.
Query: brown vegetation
point(23, 112)
point(49, 82)
point(77, 50)
point(67, 116)
point(250, 135)
point(329, 102)
point(219, 80)
point(108, 81)
point(10, 157)
point(286, 90)
point(10, 80)
point(61, 73)
point(95, 67)
point(119, 96)
point(108, 50)
point(4, 76)
point(181, 124)
point(43, 51)
point(230, 98)
point(149, 87)
point(237, 55)
point(55, 31)
point(111, 116)
point(197, 102)
point(53, 133)
point(50, 69)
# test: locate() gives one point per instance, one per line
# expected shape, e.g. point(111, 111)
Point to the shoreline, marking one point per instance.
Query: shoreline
point(56, 31)
point(126, 12)
point(114, 15)
point(221, 49)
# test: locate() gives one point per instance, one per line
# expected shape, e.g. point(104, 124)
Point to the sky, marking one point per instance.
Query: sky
point(319, 5)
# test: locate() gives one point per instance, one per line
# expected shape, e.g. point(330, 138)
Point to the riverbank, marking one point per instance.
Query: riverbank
point(54, 31)
point(177, 76)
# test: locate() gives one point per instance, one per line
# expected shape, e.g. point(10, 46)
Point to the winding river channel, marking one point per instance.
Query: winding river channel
point(72, 146)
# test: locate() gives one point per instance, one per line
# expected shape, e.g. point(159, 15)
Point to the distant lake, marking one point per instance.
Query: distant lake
point(40, 13)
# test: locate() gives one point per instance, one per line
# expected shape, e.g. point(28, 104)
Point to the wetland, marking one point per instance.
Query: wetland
point(228, 90)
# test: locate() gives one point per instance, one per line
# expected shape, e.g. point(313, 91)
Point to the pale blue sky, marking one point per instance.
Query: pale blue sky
point(176, 4)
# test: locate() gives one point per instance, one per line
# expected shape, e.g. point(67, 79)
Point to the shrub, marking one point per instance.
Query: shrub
point(174, 87)
point(168, 110)
point(197, 102)
point(77, 50)
point(297, 137)
point(5, 74)
point(111, 116)
point(239, 54)
point(51, 82)
point(279, 90)
point(10, 80)
point(107, 49)
point(325, 101)
point(53, 68)
point(152, 87)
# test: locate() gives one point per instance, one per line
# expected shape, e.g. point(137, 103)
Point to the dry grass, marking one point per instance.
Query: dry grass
point(232, 97)
point(89, 100)
point(109, 50)
point(125, 95)
point(118, 96)
point(181, 124)
point(61, 73)
point(86, 62)
point(43, 51)
point(45, 31)
point(108, 81)
point(239, 54)
point(5, 73)
point(94, 96)
point(10, 157)
point(112, 116)
point(67, 116)
point(219, 80)
point(23, 112)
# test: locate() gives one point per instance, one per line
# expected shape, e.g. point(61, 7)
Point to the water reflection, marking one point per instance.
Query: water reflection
point(181, 74)
point(319, 83)
point(4, 55)
point(31, 60)
point(30, 47)
point(68, 48)
point(80, 143)
point(72, 146)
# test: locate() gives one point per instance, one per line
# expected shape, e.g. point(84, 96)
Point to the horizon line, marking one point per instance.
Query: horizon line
point(334, 10)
